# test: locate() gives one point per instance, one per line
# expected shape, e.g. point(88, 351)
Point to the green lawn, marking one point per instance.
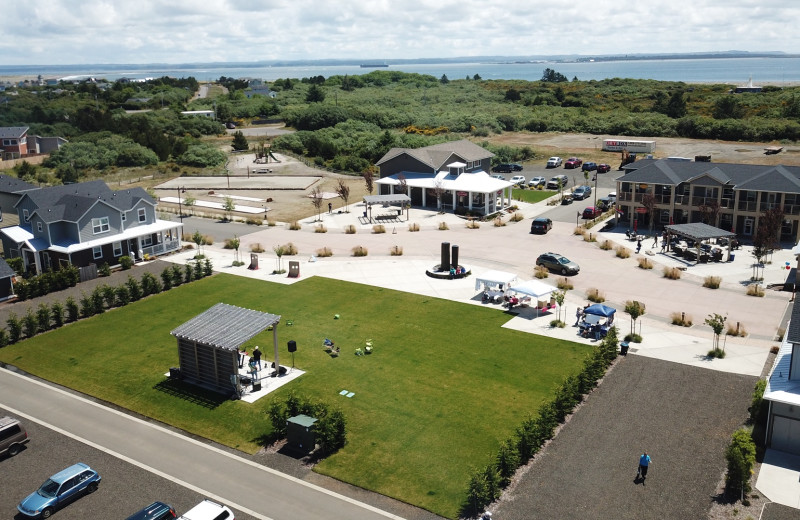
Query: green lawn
point(445, 385)
point(531, 196)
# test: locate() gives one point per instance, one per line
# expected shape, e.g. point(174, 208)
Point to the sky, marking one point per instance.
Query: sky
point(61, 32)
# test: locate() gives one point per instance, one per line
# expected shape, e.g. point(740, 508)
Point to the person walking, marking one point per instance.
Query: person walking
point(257, 357)
point(578, 316)
point(655, 240)
point(638, 245)
point(644, 463)
point(330, 208)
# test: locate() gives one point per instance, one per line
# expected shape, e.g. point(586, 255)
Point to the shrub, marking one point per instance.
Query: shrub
point(73, 311)
point(29, 324)
point(635, 338)
point(712, 282)
point(755, 290)
point(473, 224)
point(378, 228)
point(498, 222)
point(151, 285)
point(541, 271)
point(350, 229)
point(606, 245)
point(564, 284)
point(681, 318)
point(43, 317)
point(109, 295)
point(716, 353)
point(3, 338)
point(413, 227)
point(198, 272)
point(253, 221)
point(87, 309)
point(126, 262)
point(558, 323)
point(736, 330)
point(672, 273)
point(188, 276)
point(594, 295)
point(14, 326)
point(57, 314)
point(516, 217)
point(289, 249)
point(579, 230)
point(295, 226)
point(166, 279)
point(623, 252)
point(256, 248)
point(104, 269)
point(271, 222)
point(208, 268)
point(645, 263)
point(207, 240)
point(589, 237)
point(443, 226)
point(177, 275)
point(123, 295)
point(396, 251)
point(320, 229)
point(228, 244)
point(324, 252)
point(98, 302)
point(359, 251)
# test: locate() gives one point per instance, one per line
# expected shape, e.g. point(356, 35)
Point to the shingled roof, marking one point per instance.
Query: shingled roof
point(438, 155)
point(71, 201)
point(14, 185)
point(225, 326)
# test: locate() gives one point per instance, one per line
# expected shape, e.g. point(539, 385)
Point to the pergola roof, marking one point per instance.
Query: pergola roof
point(225, 326)
point(476, 182)
point(492, 278)
point(699, 231)
point(394, 198)
point(534, 288)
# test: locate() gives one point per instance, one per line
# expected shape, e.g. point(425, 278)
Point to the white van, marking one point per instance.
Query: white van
point(208, 510)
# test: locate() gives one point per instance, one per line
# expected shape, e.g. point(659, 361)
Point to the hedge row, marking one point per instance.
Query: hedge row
point(98, 301)
point(486, 484)
point(50, 281)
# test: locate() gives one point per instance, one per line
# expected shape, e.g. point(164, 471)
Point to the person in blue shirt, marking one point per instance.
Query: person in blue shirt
point(644, 463)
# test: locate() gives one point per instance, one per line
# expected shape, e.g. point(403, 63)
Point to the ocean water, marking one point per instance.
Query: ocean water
point(735, 71)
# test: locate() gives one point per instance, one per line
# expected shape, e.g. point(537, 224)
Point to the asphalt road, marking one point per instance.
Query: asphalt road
point(208, 471)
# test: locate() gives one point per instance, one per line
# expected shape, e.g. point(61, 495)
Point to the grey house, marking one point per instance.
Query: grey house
point(85, 223)
point(783, 392)
point(728, 196)
point(6, 280)
point(11, 190)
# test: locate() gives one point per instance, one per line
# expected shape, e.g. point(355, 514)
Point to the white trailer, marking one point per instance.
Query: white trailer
point(618, 145)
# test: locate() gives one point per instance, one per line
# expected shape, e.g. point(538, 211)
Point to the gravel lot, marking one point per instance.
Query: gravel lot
point(682, 416)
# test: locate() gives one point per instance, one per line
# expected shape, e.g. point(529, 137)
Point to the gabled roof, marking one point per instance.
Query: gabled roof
point(438, 155)
point(754, 177)
point(5, 270)
point(779, 387)
point(71, 201)
point(225, 326)
point(12, 132)
point(14, 185)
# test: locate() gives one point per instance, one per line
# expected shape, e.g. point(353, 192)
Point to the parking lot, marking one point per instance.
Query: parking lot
point(124, 489)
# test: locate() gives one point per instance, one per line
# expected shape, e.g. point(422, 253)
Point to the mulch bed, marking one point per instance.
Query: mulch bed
point(683, 416)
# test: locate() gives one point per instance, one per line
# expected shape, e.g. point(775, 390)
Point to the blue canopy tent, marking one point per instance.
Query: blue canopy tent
point(598, 309)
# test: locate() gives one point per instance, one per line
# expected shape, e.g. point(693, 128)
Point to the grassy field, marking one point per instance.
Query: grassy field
point(445, 385)
point(531, 196)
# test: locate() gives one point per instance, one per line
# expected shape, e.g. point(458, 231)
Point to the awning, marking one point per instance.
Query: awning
point(699, 231)
point(534, 289)
point(492, 278)
point(394, 198)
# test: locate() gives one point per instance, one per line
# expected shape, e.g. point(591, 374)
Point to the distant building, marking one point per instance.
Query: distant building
point(747, 88)
point(15, 143)
point(199, 113)
point(260, 91)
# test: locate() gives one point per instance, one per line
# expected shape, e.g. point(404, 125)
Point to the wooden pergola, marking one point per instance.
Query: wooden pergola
point(386, 200)
point(208, 344)
point(699, 232)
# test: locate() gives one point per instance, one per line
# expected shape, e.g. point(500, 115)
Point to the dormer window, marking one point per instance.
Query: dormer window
point(142, 215)
point(26, 215)
point(100, 225)
point(39, 227)
point(124, 216)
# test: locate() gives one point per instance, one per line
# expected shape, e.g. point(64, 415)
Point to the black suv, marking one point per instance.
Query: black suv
point(155, 511)
point(541, 225)
point(507, 168)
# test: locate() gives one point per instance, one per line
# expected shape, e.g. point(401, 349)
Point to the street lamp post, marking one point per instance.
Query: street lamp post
point(180, 208)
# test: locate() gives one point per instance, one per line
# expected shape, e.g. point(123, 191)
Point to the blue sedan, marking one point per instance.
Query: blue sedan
point(59, 490)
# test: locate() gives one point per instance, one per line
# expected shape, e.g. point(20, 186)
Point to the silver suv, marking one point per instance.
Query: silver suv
point(559, 181)
point(208, 510)
point(12, 436)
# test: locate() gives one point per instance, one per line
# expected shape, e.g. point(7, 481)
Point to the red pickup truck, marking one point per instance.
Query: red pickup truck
point(573, 162)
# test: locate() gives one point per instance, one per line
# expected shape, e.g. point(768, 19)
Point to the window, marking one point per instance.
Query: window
point(39, 227)
point(100, 225)
point(147, 241)
point(26, 215)
point(117, 248)
point(142, 215)
point(97, 252)
point(124, 216)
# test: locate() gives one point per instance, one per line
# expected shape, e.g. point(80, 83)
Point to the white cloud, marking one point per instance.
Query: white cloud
point(175, 31)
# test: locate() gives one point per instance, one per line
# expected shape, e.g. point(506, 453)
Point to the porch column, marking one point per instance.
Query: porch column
point(275, 344)
point(454, 200)
point(486, 202)
point(424, 196)
point(469, 197)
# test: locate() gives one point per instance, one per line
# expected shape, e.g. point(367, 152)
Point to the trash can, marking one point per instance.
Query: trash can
point(730, 259)
point(623, 348)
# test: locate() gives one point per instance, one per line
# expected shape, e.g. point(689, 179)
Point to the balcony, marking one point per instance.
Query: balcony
point(162, 248)
point(747, 205)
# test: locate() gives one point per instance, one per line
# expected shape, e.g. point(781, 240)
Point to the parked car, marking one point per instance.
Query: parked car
point(603, 168)
point(208, 510)
point(581, 192)
point(613, 196)
point(589, 167)
point(59, 490)
point(558, 263)
point(12, 436)
point(518, 179)
point(554, 162)
point(230, 125)
point(591, 212)
point(559, 181)
point(566, 199)
point(507, 168)
point(500, 177)
point(541, 225)
point(605, 203)
point(535, 182)
point(572, 162)
point(155, 511)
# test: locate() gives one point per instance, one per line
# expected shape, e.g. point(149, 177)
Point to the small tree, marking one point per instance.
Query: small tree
point(239, 143)
point(279, 252)
point(402, 184)
point(635, 309)
point(438, 189)
point(741, 456)
point(189, 202)
point(717, 324)
point(235, 243)
point(229, 206)
point(369, 181)
point(197, 238)
point(559, 297)
point(316, 201)
point(343, 190)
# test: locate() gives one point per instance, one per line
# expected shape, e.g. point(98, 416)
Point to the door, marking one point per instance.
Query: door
point(785, 435)
point(748, 226)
